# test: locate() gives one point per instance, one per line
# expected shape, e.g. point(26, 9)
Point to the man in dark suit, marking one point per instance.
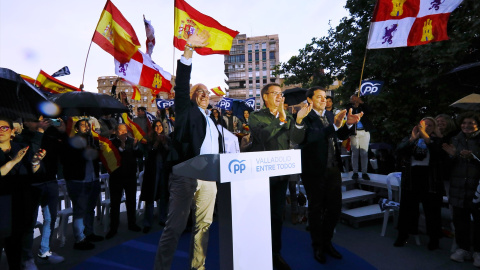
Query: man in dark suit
point(321, 170)
point(123, 178)
point(195, 134)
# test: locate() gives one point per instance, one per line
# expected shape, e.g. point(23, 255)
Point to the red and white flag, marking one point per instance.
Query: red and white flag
point(141, 70)
point(400, 23)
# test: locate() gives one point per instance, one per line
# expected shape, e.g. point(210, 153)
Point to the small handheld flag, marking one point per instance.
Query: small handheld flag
point(63, 71)
point(218, 91)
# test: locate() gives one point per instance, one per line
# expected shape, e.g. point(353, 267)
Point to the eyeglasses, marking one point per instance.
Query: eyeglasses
point(200, 92)
point(4, 128)
point(277, 93)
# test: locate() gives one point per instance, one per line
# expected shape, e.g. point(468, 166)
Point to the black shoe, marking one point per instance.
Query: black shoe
point(111, 234)
point(94, 238)
point(134, 228)
point(146, 229)
point(355, 176)
point(433, 244)
point(330, 250)
point(365, 176)
point(83, 245)
point(279, 263)
point(401, 241)
point(319, 256)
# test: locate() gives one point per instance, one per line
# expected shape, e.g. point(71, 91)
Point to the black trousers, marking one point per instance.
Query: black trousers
point(118, 184)
point(278, 196)
point(409, 206)
point(324, 194)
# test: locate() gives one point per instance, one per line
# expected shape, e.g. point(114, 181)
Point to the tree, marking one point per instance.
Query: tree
point(416, 79)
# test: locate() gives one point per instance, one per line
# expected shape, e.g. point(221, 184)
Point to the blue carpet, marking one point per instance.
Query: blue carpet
point(140, 253)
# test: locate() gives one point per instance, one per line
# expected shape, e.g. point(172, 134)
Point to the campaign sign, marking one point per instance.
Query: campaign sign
point(371, 88)
point(164, 103)
point(242, 166)
point(250, 102)
point(225, 103)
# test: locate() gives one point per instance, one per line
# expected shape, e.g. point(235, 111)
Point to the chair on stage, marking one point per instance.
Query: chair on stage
point(105, 201)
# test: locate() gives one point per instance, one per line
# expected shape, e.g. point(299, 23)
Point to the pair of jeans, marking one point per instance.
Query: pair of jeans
point(359, 144)
point(183, 192)
point(84, 196)
point(44, 195)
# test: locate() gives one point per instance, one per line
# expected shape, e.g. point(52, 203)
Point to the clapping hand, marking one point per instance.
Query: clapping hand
point(304, 111)
point(19, 156)
point(39, 155)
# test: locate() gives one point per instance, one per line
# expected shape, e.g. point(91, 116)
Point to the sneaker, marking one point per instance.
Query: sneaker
point(365, 176)
point(29, 265)
point(94, 238)
point(476, 259)
point(50, 257)
point(83, 245)
point(355, 176)
point(460, 255)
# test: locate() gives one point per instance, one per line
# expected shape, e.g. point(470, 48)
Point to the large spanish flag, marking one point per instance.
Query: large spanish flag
point(115, 34)
point(188, 20)
point(52, 85)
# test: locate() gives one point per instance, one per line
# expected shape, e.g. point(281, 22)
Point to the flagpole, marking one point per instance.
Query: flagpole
point(361, 74)
point(85, 66)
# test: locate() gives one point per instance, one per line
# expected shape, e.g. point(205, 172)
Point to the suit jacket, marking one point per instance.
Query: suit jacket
point(315, 145)
point(190, 123)
point(269, 135)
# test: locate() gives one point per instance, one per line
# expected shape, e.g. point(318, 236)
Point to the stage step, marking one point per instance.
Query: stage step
point(356, 215)
point(354, 195)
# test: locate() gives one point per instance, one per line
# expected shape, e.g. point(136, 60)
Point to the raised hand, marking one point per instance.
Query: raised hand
point(198, 39)
point(303, 112)
point(338, 119)
point(353, 118)
point(415, 134)
point(449, 148)
point(19, 156)
point(39, 155)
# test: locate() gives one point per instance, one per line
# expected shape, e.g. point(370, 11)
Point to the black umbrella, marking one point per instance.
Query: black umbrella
point(295, 96)
point(18, 97)
point(467, 75)
point(87, 103)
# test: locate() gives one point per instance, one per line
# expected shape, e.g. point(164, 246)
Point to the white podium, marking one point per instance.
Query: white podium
point(243, 201)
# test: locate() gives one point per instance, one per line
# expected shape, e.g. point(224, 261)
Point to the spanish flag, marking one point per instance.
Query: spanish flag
point(109, 155)
point(137, 131)
point(115, 34)
point(52, 85)
point(136, 92)
point(218, 91)
point(188, 20)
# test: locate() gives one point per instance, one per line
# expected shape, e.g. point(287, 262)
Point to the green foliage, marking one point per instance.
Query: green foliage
point(416, 79)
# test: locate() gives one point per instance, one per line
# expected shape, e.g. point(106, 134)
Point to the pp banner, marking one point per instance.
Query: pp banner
point(371, 88)
point(225, 103)
point(164, 103)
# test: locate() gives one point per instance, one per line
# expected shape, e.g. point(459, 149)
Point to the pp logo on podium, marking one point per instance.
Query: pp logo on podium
point(237, 166)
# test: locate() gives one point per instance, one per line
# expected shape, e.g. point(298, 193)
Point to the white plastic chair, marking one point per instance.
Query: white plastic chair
point(395, 176)
point(390, 178)
point(105, 203)
point(63, 214)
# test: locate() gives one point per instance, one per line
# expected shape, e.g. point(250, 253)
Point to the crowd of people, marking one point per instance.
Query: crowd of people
point(437, 160)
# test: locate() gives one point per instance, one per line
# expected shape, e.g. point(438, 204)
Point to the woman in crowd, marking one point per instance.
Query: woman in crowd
point(17, 166)
point(245, 129)
point(217, 119)
point(448, 129)
point(420, 183)
point(465, 174)
point(163, 115)
point(155, 178)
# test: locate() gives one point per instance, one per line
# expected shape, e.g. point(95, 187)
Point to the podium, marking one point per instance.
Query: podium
point(243, 201)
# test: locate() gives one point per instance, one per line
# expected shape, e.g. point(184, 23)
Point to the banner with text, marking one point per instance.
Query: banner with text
point(164, 103)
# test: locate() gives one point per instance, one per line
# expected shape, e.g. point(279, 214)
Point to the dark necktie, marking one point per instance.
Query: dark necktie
point(331, 161)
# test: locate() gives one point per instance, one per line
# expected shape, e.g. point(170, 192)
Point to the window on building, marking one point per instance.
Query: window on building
point(272, 55)
point(256, 56)
point(264, 46)
point(126, 90)
point(249, 47)
point(264, 81)
point(272, 63)
point(153, 105)
point(257, 73)
point(241, 41)
point(264, 56)
point(104, 91)
point(272, 47)
point(256, 65)
point(256, 46)
point(250, 74)
point(250, 57)
point(145, 99)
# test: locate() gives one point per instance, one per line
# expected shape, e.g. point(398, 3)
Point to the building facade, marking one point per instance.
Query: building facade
point(105, 84)
point(251, 65)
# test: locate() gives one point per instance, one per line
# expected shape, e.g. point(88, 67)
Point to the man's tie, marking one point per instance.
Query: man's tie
point(331, 162)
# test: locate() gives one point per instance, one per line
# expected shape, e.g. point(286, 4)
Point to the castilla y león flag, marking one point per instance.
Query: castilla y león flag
point(141, 70)
point(115, 35)
point(188, 20)
point(400, 23)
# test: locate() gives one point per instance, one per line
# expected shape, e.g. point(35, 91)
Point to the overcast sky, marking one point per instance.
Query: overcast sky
point(51, 34)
